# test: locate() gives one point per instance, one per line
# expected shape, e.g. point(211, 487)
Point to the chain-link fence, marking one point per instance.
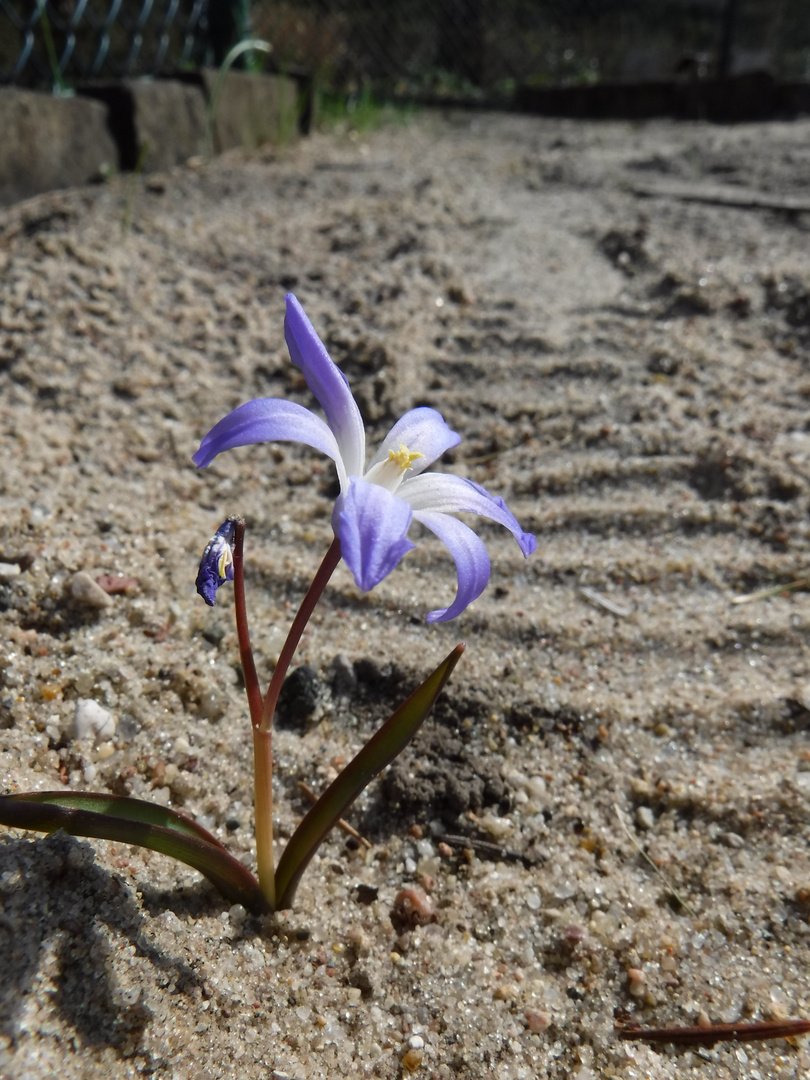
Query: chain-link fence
point(473, 49)
point(58, 42)
point(470, 48)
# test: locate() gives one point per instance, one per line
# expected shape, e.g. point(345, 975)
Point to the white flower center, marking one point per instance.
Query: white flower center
point(389, 473)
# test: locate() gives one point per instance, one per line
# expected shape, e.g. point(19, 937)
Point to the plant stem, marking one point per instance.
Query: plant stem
point(263, 808)
point(254, 693)
point(319, 582)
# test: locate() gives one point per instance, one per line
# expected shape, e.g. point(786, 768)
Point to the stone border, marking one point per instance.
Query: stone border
point(49, 142)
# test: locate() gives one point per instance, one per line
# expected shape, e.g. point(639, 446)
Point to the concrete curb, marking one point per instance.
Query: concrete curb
point(48, 142)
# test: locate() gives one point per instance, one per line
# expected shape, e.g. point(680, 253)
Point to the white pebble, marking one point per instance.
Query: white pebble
point(91, 720)
point(644, 817)
point(416, 1042)
point(536, 788)
point(88, 593)
point(8, 570)
point(731, 839)
point(497, 827)
point(182, 746)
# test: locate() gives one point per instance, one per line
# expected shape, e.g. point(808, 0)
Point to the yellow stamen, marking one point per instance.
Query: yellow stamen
point(404, 457)
point(224, 561)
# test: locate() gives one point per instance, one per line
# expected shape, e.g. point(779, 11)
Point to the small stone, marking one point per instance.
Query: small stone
point(93, 721)
point(412, 907)
point(9, 570)
point(367, 894)
point(214, 634)
point(506, 991)
point(83, 682)
point(88, 593)
point(497, 827)
point(536, 1021)
point(412, 1059)
point(301, 694)
point(113, 584)
point(636, 980)
point(212, 705)
point(731, 839)
point(536, 788)
point(181, 747)
point(645, 818)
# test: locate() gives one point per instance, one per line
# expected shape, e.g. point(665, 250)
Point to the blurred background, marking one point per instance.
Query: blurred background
point(476, 51)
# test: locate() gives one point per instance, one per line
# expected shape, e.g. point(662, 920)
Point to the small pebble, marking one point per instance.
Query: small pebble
point(574, 934)
point(536, 787)
point(644, 817)
point(8, 570)
point(536, 1021)
point(83, 682)
point(412, 1059)
point(88, 593)
point(636, 980)
point(112, 585)
point(497, 827)
point(731, 839)
point(106, 751)
point(412, 907)
point(92, 721)
point(506, 991)
point(181, 747)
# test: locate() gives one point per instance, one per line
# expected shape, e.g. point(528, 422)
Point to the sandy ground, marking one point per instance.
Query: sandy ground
point(632, 373)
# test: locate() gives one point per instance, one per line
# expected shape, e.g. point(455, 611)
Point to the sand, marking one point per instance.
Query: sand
point(608, 810)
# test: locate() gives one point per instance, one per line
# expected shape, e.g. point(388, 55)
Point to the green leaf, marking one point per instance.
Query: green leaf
point(379, 751)
point(131, 821)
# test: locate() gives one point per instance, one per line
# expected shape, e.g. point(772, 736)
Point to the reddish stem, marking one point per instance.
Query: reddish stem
point(263, 809)
point(254, 693)
point(319, 582)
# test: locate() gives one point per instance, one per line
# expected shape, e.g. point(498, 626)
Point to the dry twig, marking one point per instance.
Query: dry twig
point(708, 1035)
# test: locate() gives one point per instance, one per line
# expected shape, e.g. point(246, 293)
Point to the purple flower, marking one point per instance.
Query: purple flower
point(377, 503)
point(216, 565)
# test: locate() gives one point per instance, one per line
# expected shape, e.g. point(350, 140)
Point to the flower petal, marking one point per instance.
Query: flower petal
point(216, 565)
point(373, 526)
point(329, 385)
point(470, 555)
point(453, 494)
point(422, 431)
point(269, 420)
